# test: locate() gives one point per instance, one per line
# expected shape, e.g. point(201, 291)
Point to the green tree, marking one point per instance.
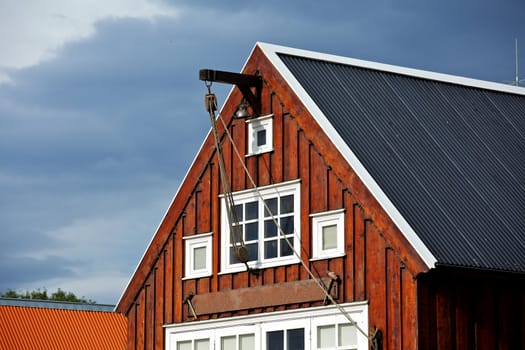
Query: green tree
point(41, 294)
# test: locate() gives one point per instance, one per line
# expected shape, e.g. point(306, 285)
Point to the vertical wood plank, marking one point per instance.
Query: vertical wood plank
point(264, 169)
point(394, 307)
point(203, 219)
point(335, 195)
point(427, 327)
point(158, 301)
point(278, 154)
point(238, 131)
point(408, 310)
point(375, 279)
point(463, 313)
point(140, 320)
point(149, 328)
point(225, 282)
point(319, 182)
point(444, 319)
point(240, 280)
point(485, 327)
point(290, 148)
point(190, 217)
point(360, 254)
point(178, 274)
point(188, 287)
point(292, 272)
point(132, 328)
point(304, 175)
point(504, 308)
point(168, 282)
point(349, 273)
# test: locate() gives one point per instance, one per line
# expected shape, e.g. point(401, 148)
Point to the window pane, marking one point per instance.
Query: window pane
point(237, 212)
point(272, 206)
point(270, 229)
point(329, 237)
point(285, 247)
point(236, 233)
point(202, 344)
point(287, 204)
point(347, 335)
point(252, 210)
point(246, 342)
point(287, 225)
point(233, 257)
point(275, 340)
point(184, 345)
point(228, 343)
point(253, 251)
point(295, 339)
point(270, 249)
point(199, 258)
point(261, 137)
point(325, 337)
point(252, 231)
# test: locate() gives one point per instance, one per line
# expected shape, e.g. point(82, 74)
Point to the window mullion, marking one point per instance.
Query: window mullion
point(261, 227)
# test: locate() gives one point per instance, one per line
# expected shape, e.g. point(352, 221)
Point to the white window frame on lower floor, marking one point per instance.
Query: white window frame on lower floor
point(260, 324)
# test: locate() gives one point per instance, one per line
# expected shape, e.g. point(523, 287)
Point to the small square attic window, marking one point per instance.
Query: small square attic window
point(260, 135)
point(328, 234)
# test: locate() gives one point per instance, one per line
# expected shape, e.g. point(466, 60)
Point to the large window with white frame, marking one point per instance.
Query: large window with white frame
point(328, 234)
point(266, 223)
point(318, 328)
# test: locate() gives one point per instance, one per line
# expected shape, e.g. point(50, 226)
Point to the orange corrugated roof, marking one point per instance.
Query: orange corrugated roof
point(24, 328)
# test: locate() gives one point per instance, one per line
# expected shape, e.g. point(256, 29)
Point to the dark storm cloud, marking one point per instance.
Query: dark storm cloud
point(94, 143)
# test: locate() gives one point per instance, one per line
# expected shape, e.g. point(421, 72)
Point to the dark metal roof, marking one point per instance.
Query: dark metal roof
point(451, 158)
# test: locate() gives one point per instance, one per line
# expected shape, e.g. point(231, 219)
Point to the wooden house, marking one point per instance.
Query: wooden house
point(361, 205)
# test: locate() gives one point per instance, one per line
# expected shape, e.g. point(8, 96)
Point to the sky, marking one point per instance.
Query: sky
point(101, 108)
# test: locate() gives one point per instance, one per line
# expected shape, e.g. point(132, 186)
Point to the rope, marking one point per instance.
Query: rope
point(228, 194)
point(235, 236)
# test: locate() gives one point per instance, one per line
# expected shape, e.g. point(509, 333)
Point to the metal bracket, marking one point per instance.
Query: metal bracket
point(334, 281)
point(187, 300)
point(245, 83)
point(376, 339)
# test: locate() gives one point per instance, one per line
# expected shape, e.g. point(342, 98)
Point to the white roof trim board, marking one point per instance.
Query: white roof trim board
point(271, 51)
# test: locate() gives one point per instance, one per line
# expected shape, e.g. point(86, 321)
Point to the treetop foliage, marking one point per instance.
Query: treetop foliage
point(42, 294)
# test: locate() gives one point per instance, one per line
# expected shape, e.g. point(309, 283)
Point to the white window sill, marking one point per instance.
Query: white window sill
point(325, 257)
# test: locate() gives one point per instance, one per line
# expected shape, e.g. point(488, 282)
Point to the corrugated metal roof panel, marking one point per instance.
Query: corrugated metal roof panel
point(42, 328)
point(450, 157)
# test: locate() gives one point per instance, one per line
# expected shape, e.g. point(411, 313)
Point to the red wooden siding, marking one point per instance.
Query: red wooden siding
point(471, 311)
point(379, 265)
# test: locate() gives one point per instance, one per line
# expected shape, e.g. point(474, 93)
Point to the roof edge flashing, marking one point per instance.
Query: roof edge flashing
point(389, 68)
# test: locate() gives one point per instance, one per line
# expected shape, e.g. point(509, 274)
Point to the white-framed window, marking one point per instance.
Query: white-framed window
point(328, 232)
point(317, 328)
point(337, 334)
point(198, 252)
point(266, 223)
point(260, 134)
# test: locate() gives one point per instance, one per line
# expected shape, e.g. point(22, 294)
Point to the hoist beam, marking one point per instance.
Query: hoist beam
point(245, 83)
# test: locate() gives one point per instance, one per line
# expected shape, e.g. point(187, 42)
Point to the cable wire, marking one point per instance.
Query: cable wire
point(317, 280)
